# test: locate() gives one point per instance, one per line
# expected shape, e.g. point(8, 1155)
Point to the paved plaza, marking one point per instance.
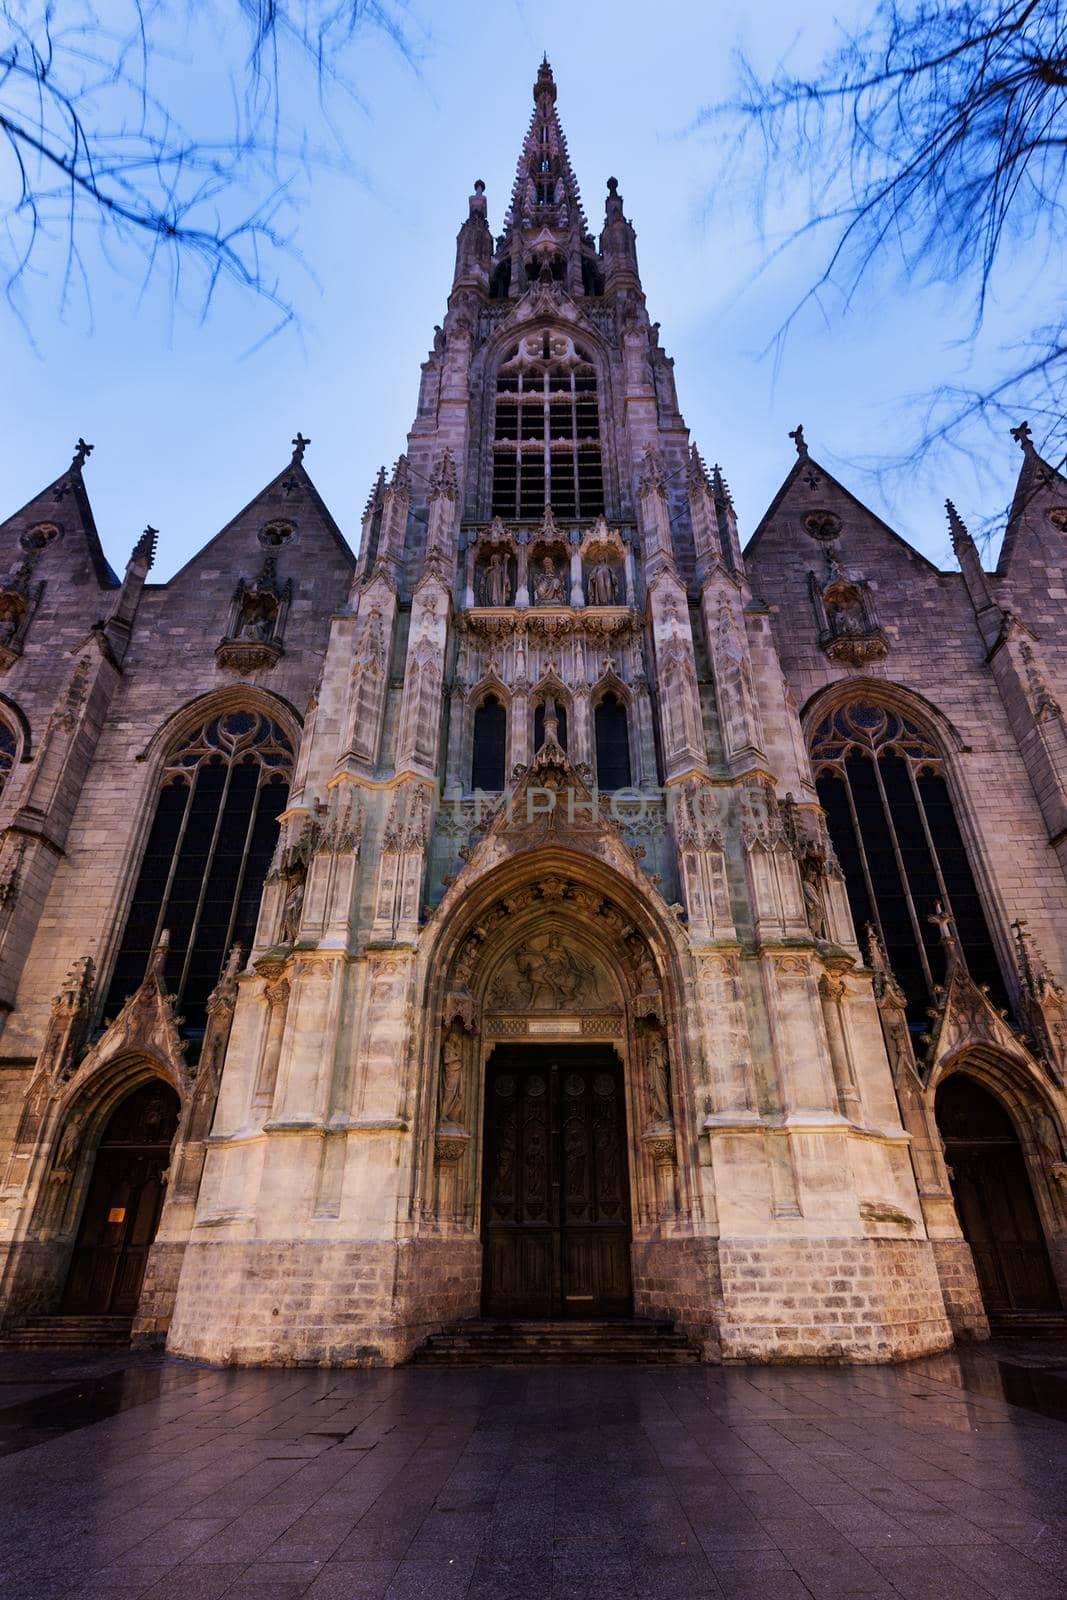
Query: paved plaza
point(138, 1478)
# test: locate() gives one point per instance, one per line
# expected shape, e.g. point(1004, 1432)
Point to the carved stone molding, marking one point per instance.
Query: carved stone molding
point(451, 1145)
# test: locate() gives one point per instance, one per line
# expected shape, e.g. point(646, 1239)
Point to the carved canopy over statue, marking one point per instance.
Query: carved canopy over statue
point(253, 638)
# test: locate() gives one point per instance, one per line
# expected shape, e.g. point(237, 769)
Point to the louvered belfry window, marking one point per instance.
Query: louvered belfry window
point(546, 446)
point(208, 852)
point(881, 781)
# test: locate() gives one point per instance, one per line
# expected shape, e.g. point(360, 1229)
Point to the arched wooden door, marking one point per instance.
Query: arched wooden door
point(123, 1204)
point(994, 1201)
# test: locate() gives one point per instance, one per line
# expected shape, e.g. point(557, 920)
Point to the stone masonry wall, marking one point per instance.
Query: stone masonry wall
point(355, 1304)
point(680, 1279)
point(831, 1300)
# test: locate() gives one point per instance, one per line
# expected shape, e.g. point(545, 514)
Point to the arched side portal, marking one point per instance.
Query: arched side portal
point(995, 1202)
point(123, 1204)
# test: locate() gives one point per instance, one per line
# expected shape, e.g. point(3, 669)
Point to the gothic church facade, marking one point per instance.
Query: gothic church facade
point(556, 909)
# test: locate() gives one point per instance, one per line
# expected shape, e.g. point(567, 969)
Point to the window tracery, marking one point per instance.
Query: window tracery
point(208, 852)
point(546, 449)
point(881, 781)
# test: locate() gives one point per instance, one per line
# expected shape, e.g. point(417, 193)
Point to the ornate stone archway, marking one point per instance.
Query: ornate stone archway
point(554, 949)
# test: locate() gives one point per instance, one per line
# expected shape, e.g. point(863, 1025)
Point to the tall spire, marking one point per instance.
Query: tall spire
point(545, 227)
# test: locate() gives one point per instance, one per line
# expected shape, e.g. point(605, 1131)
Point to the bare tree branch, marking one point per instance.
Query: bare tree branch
point(934, 142)
point(97, 145)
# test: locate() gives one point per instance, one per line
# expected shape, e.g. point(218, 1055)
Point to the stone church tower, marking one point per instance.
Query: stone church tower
point(628, 925)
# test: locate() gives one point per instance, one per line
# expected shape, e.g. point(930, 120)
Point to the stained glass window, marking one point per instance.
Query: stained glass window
point(882, 784)
point(208, 852)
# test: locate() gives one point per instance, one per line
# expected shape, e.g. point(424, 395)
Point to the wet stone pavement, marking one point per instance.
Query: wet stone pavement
point(126, 1476)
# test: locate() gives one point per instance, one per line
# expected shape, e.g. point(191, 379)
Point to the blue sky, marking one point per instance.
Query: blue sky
point(188, 424)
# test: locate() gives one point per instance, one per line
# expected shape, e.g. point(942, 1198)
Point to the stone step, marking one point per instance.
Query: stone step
point(51, 1333)
point(488, 1343)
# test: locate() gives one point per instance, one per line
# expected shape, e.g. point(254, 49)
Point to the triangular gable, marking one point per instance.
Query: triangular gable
point(809, 464)
point(1038, 479)
point(65, 502)
point(965, 1018)
point(304, 486)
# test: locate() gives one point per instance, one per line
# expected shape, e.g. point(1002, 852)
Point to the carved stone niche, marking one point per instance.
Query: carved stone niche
point(19, 598)
point(849, 630)
point(256, 626)
point(604, 566)
point(495, 567)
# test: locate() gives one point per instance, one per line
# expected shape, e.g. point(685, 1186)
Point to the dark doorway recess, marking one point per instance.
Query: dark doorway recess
point(994, 1201)
point(556, 1211)
point(123, 1204)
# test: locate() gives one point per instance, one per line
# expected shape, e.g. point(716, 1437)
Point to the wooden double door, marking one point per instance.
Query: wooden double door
point(556, 1213)
point(123, 1205)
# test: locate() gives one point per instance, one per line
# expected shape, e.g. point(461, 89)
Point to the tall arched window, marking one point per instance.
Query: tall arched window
point(612, 744)
point(546, 447)
point(881, 781)
point(208, 852)
point(490, 745)
point(539, 724)
point(8, 752)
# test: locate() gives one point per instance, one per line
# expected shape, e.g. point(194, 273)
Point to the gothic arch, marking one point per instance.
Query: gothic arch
point(13, 714)
point(950, 745)
point(1039, 1127)
point(908, 702)
point(485, 367)
point(66, 1144)
point(635, 999)
point(168, 736)
point(1038, 1121)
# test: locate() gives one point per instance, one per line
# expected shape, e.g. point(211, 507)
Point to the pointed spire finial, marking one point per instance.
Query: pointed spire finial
point(374, 499)
point(797, 436)
point(300, 444)
point(1023, 437)
point(956, 527)
point(546, 83)
point(720, 488)
point(82, 453)
point(145, 548)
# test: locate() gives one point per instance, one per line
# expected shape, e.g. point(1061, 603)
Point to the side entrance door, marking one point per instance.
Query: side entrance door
point(122, 1206)
point(556, 1218)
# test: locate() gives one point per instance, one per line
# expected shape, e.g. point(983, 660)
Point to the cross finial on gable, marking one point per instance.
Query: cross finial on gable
point(82, 453)
point(1023, 436)
point(797, 436)
point(300, 444)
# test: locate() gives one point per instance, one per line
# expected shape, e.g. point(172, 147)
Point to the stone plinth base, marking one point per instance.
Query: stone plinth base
point(266, 1303)
point(830, 1300)
point(158, 1291)
point(959, 1286)
point(679, 1279)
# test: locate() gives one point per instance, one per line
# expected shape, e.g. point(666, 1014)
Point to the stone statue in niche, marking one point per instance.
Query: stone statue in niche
point(292, 909)
point(602, 588)
point(255, 619)
point(812, 863)
point(548, 585)
point(10, 617)
point(496, 581)
point(659, 1080)
point(451, 1085)
point(68, 1149)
